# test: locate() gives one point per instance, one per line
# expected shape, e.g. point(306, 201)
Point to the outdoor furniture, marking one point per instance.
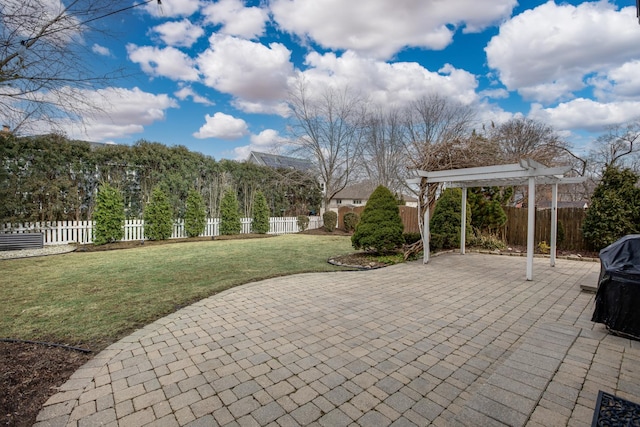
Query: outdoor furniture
point(618, 294)
point(14, 242)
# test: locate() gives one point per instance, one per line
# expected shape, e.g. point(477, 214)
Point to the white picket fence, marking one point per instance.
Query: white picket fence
point(64, 232)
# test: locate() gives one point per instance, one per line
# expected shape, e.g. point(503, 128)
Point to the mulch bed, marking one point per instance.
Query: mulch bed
point(30, 374)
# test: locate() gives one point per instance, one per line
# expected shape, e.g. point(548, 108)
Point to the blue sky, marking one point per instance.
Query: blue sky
point(213, 75)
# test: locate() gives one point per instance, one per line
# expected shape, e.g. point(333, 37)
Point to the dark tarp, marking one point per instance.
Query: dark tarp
point(618, 295)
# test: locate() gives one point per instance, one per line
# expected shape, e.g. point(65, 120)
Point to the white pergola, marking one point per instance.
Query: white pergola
point(526, 172)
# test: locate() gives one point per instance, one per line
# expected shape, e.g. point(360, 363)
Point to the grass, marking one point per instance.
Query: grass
point(96, 298)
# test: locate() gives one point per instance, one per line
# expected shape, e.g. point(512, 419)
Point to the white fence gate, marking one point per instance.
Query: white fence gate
point(64, 232)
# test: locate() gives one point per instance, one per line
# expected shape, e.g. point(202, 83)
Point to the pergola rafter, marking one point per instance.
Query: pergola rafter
point(526, 172)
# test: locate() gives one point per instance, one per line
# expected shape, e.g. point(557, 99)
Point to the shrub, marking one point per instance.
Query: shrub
point(158, 221)
point(445, 223)
point(615, 208)
point(351, 221)
point(380, 227)
point(195, 215)
point(330, 219)
point(260, 223)
point(229, 214)
point(411, 238)
point(303, 222)
point(108, 215)
point(485, 240)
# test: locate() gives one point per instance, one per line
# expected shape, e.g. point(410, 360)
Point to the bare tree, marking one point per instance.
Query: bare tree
point(327, 127)
point(43, 59)
point(619, 146)
point(521, 138)
point(384, 156)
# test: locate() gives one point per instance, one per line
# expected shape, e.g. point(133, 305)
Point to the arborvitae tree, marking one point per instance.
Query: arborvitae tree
point(260, 224)
point(229, 214)
point(330, 220)
point(158, 216)
point(195, 215)
point(615, 208)
point(486, 203)
point(108, 215)
point(380, 227)
point(445, 223)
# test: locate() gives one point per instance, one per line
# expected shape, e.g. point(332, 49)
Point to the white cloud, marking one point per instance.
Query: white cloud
point(621, 83)
point(172, 9)
point(267, 141)
point(381, 28)
point(235, 18)
point(166, 62)
point(178, 33)
point(545, 53)
point(120, 113)
point(587, 114)
point(222, 126)
point(249, 71)
point(188, 92)
point(388, 83)
point(100, 50)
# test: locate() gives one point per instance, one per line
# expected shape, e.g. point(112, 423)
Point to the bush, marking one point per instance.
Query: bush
point(380, 227)
point(411, 238)
point(109, 215)
point(445, 223)
point(303, 222)
point(195, 215)
point(486, 241)
point(351, 221)
point(229, 214)
point(158, 220)
point(615, 208)
point(260, 223)
point(330, 219)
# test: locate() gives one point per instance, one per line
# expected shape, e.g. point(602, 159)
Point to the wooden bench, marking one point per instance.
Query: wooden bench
point(14, 242)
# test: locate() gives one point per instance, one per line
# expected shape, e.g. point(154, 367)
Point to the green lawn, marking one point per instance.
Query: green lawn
point(95, 298)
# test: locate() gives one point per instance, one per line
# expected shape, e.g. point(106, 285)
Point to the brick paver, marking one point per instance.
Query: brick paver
point(462, 341)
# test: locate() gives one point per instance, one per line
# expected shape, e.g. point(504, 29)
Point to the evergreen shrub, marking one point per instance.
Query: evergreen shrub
point(445, 223)
point(158, 216)
point(380, 227)
point(303, 222)
point(229, 214)
point(351, 221)
point(260, 223)
point(195, 215)
point(330, 219)
point(109, 215)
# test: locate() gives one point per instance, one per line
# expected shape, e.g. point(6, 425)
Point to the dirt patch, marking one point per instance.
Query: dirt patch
point(30, 374)
point(359, 260)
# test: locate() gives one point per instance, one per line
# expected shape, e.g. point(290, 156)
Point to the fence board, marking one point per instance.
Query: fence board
point(408, 214)
point(569, 219)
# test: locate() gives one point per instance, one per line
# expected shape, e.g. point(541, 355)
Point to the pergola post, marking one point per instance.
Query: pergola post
point(531, 226)
point(425, 228)
point(463, 221)
point(554, 224)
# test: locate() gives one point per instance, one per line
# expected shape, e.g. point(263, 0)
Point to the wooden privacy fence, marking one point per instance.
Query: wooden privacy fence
point(408, 214)
point(64, 232)
point(569, 227)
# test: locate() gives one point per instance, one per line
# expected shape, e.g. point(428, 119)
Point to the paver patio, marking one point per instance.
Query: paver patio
point(462, 341)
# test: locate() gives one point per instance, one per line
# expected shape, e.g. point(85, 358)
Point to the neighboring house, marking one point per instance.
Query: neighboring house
point(358, 194)
point(277, 162)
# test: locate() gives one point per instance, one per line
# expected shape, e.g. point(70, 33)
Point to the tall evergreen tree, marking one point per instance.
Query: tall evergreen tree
point(260, 224)
point(195, 215)
point(158, 219)
point(229, 214)
point(615, 208)
point(109, 215)
point(445, 223)
point(380, 227)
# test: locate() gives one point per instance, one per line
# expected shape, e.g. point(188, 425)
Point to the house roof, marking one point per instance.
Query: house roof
point(277, 161)
point(362, 191)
